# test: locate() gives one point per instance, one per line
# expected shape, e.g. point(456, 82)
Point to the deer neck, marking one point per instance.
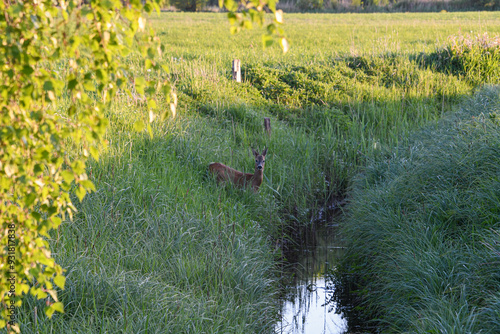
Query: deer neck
point(258, 176)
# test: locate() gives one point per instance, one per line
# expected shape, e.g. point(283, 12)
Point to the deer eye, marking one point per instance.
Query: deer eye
point(257, 161)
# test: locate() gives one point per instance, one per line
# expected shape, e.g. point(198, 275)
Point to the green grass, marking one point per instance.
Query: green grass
point(423, 227)
point(159, 247)
point(315, 37)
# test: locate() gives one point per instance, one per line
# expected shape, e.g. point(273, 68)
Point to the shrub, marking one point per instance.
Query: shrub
point(482, 4)
point(306, 5)
point(188, 5)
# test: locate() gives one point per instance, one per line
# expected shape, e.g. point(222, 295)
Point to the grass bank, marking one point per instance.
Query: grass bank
point(159, 247)
point(423, 229)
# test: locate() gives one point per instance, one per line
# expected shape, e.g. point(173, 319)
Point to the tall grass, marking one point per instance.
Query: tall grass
point(159, 247)
point(476, 58)
point(423, 227)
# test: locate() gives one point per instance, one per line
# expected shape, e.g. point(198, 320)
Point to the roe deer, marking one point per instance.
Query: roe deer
point(225, 173)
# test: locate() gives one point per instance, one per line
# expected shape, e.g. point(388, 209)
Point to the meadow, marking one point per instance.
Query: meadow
point(159, 247)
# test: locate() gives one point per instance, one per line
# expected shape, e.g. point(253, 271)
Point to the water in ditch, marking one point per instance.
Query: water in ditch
point(307, 304)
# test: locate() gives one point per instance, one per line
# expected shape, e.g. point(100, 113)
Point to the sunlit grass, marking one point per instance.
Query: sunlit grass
point(317, 37)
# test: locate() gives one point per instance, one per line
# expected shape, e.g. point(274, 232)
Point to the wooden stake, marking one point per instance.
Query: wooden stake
point(267, 125)
point(236, 70)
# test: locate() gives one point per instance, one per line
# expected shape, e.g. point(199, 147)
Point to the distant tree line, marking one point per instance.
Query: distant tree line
point(349, 5)
point(190, 5)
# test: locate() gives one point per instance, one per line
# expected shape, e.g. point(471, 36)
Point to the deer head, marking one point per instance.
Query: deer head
point(260, 160)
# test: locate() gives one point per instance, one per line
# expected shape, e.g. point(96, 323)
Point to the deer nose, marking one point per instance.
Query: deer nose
point(259, 167)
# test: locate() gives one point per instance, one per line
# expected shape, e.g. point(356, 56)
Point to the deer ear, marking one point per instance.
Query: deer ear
point(255, 152)
point(264, 152)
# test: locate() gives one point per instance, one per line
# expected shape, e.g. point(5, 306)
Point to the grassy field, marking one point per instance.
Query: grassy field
point(159, 247)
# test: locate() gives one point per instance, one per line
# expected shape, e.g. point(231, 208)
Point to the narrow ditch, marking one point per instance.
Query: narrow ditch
point(311, 297)
point(306, 304)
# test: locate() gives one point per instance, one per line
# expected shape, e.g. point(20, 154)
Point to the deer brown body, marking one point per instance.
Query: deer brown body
point(225, 173)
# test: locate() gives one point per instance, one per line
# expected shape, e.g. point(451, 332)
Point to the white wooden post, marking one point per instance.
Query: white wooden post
point(236, 70)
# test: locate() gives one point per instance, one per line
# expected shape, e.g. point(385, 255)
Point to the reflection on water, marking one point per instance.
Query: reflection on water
point(307, 305)
point(306, 312)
